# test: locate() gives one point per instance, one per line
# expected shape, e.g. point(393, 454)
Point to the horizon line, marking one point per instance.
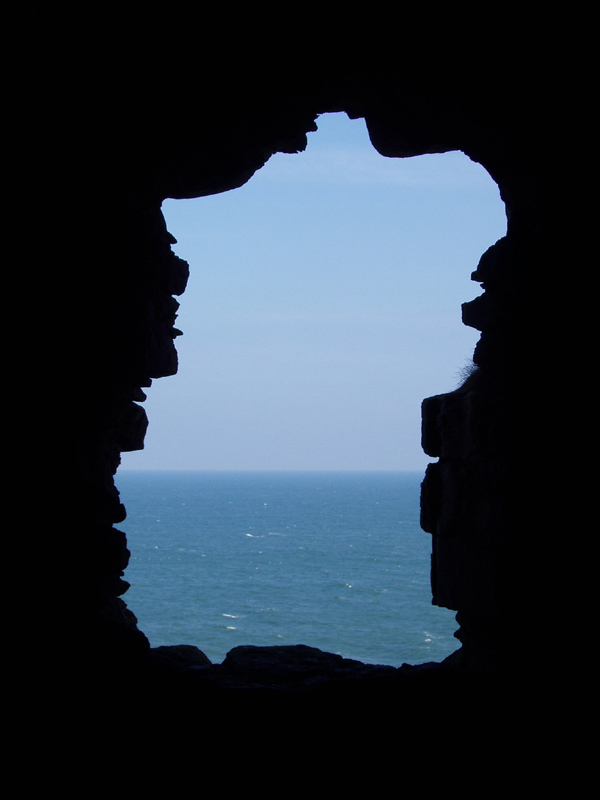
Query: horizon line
point(271, 469)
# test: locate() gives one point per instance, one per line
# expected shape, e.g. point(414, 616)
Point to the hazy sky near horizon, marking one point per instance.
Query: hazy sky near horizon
point(323, 305)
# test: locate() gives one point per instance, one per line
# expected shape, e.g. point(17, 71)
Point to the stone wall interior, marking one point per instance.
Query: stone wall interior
point(148, 127)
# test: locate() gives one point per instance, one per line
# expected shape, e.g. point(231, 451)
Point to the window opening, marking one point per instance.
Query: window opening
point(323, 305)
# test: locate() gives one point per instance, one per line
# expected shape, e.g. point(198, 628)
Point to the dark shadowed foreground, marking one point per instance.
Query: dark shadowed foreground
point(103, 140)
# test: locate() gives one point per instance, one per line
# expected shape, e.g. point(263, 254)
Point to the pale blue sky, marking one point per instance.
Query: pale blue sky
point(323, 305)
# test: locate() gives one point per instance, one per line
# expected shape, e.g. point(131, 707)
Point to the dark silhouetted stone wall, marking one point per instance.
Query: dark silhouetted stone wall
point(114, 121)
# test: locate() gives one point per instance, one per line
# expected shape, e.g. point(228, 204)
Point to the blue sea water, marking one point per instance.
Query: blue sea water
point(336, 561)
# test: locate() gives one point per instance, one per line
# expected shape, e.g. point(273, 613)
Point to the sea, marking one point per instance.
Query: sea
point(333, 560)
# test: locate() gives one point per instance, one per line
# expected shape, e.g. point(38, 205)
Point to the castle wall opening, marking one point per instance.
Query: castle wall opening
point(312, 353)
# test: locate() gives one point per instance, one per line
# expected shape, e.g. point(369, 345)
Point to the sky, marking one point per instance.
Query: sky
point(323, 305)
